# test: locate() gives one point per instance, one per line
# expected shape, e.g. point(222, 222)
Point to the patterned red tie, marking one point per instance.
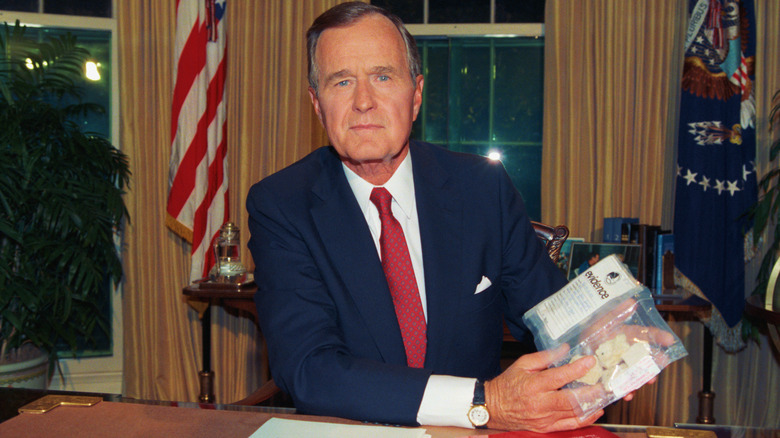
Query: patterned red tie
point(400, 277)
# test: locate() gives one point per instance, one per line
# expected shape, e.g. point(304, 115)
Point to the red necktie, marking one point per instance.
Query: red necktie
point(400, 278)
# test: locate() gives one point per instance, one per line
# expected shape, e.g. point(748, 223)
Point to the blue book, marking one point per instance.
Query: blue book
point(611, 225)
point(613, 228)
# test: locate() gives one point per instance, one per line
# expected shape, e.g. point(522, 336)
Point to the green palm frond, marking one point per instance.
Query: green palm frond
point(60, 197)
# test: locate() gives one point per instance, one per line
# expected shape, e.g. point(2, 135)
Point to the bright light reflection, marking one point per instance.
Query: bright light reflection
point(92, 72)
point(494, 155)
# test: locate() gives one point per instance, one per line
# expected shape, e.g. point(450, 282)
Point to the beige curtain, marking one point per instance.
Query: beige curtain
point(609, 112)
point(270, 125)
point(611, 97)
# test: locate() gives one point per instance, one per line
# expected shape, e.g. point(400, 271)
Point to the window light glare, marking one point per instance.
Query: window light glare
point(92, 72)
point(495, 155)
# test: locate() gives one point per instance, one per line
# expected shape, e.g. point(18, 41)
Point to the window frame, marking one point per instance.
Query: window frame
point(103, 373)
point(524, 30)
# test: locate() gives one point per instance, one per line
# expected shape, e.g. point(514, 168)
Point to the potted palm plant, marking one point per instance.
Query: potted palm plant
point(61, 201)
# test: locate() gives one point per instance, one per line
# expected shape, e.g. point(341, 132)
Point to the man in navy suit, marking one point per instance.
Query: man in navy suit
point(323, 300)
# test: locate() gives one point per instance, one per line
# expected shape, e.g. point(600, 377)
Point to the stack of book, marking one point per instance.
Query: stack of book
point(656, 259)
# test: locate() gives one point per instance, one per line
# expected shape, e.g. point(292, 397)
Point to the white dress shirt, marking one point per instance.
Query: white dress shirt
point(447, 399)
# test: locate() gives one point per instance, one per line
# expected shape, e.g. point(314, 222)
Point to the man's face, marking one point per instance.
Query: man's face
point(366, 99)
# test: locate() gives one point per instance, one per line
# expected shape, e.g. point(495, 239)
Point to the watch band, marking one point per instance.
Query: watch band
point(479, 393)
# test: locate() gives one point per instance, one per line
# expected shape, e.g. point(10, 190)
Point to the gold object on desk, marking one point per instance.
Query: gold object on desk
point(669, 432)
point(51, 401)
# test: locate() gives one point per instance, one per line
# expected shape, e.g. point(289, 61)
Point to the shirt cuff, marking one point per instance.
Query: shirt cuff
point(446, 401)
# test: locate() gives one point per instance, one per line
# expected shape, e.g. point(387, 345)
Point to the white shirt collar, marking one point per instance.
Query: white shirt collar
point(400, 186)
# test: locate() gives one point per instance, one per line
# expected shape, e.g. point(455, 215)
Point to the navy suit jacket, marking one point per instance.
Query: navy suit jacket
point(323, 302)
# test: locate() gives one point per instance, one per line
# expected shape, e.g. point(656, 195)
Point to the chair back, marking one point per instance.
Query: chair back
point(552, 237)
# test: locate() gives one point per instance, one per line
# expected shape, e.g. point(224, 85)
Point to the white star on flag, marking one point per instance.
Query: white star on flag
point(733, 187)
point(745, 172)
point(719, 186)
point(690, 177)
point(705, 183)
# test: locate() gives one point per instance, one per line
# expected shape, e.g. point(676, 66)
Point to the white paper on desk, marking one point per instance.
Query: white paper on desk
point(282, 428)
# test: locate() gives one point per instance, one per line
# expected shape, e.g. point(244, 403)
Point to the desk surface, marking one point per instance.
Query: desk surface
point(140, 419)
point(120, 417)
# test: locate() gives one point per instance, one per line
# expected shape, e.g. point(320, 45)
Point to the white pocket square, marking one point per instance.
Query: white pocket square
point(483, 284)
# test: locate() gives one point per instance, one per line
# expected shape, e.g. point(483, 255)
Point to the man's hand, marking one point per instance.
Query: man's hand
point(527, 396)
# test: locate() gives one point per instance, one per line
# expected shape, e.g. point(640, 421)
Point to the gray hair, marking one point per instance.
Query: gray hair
point(345, 14)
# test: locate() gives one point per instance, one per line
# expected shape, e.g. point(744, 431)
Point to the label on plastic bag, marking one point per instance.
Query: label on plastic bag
point(600, 284)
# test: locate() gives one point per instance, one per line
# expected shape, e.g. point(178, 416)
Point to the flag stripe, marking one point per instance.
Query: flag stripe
point(185, 179)
point(197, 200)
point(216, 173)
point(186, 176)
point(190, 66)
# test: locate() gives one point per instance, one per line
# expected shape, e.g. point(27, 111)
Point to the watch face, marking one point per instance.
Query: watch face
point(478, 415)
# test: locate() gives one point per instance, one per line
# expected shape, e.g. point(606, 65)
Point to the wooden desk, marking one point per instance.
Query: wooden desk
point(117, 416)
point(134, 419)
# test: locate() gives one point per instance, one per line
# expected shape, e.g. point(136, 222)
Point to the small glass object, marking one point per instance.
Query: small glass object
point(227, 252)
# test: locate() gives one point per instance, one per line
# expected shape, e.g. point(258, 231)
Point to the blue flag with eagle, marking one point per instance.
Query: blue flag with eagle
point(716, 178)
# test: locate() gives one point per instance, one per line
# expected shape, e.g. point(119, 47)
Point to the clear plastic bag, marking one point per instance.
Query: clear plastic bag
point(605, 312)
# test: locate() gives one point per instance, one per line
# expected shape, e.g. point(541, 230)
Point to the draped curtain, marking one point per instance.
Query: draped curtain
point(610, 109)
point(613, 71)
point(270, 125)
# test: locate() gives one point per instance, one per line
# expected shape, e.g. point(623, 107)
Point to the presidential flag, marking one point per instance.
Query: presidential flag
point(716, 176)
point(198, 196)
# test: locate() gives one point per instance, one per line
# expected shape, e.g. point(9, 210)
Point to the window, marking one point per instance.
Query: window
point(465, 11)
point(92, 22)
point(483, 95)
point(483, 62)
point(91, 8)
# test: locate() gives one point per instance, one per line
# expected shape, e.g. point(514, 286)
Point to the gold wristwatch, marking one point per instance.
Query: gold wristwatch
point(478, 413)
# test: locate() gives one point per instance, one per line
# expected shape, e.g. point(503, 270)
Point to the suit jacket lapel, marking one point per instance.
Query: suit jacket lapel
point(440, 217)
point(348, 241)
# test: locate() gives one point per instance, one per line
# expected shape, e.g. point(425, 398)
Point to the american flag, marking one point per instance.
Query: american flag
point(198, 196)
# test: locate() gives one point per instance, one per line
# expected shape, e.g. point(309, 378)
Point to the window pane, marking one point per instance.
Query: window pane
point(19, 5)
point(431, 123)
point(409, 11)
point(518, 83)
point(525, 11)
point(460, 11)
point(91, 8)
point(470, 72)
point(484, 95)
point(96, 90)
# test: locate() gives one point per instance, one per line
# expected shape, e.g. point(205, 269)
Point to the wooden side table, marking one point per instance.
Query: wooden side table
point(227, 295)
point(687, 308)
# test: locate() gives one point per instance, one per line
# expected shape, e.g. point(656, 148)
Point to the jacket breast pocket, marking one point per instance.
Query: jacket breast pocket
point(482, 299)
